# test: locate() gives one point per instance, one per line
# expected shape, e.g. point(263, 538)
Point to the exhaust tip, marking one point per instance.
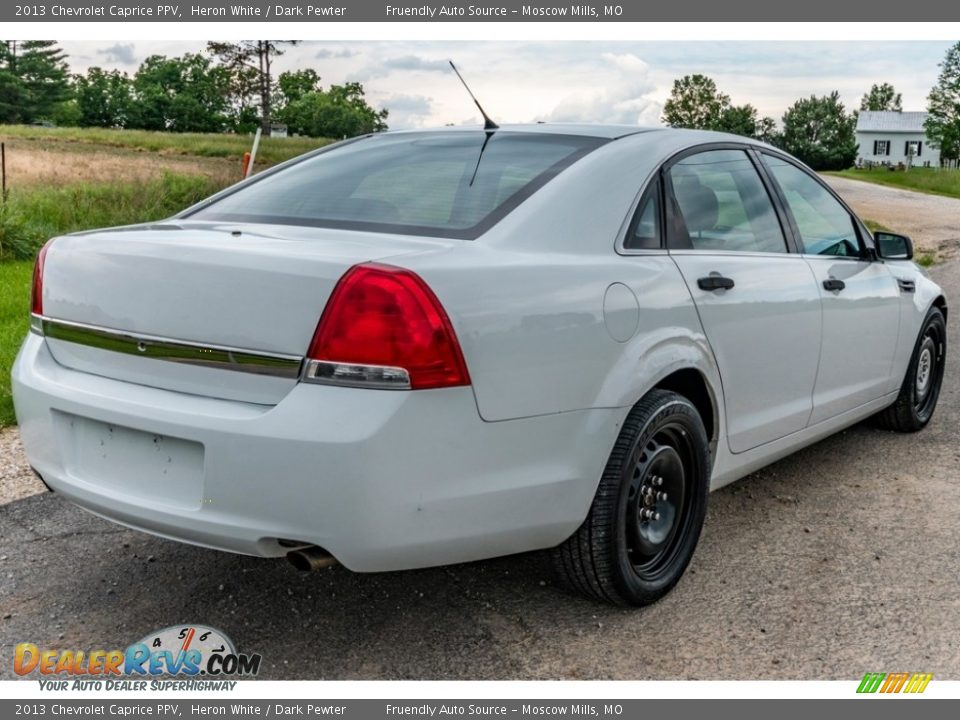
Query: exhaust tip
point(308, 559)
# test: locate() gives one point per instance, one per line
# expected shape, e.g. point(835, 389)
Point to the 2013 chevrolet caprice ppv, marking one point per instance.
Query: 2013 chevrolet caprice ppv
point(429, 347)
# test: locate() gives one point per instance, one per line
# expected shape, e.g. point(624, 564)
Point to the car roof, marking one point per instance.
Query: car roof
point(609, 131)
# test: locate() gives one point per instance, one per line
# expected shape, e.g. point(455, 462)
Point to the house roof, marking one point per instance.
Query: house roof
point(890, 121)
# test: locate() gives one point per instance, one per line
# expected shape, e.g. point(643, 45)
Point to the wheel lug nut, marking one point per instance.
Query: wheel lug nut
point(658, 481)
point(661, 496)
point(656, 516)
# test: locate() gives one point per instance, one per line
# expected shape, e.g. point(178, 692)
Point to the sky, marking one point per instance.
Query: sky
point(585, 81)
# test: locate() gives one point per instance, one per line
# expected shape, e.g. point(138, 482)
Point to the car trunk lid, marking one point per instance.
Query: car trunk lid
point(244, 298)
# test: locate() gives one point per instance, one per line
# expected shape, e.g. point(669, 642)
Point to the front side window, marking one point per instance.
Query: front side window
point(445, 184)
point(881, 147)
point(826, 228)
point(721, 204)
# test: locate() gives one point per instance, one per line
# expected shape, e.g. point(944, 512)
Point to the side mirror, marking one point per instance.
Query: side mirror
point(891, 246)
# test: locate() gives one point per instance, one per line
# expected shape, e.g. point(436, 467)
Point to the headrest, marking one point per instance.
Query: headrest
point(698, 204)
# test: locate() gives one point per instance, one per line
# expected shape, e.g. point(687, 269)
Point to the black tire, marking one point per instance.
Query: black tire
point(620, 555)
point(914, 406)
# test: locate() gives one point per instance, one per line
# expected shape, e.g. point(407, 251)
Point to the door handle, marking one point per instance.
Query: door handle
point(834, 285)
point(715, 282)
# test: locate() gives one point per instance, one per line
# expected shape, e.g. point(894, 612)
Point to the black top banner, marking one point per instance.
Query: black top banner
point(496, 11)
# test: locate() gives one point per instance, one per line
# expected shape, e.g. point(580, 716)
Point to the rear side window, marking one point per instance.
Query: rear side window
point(644, 231)
point(722, 205)
point(447, 184)
point(825, 226)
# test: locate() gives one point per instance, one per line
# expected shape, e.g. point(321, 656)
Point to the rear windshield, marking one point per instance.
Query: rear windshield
point(446, 184)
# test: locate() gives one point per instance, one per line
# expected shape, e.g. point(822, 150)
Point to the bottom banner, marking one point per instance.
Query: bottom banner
point(875, 709)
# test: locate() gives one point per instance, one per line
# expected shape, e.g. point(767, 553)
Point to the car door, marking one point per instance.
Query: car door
point(758, 302)
point(861, 298)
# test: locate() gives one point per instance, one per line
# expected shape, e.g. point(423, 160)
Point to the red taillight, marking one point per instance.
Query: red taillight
point(36, 290)
point(384, 327)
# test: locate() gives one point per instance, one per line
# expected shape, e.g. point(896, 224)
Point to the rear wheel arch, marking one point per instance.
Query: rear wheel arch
point(693, 385)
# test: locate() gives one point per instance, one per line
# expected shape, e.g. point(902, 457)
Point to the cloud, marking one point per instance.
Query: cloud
point(623, 97)
point(122, 54)
point(414, 62)
point(403, 63)
point(407, 111)
point(330, 54)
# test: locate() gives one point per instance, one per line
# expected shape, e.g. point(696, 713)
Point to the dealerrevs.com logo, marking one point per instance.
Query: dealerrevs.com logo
point(181, 651)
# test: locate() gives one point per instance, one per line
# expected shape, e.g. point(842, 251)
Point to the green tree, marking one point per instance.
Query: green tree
point(292, 86)
point(767, 131)
point(11, 87)
point(341, 111)
point(819, 131)
point(250, 65)
point(104, 98)
point(882, 97)
point(739, 120)
point(943, 105)
point(43, 70)
point(182, 94)
point(66, 114)
point(34, 80)
point(695, 102)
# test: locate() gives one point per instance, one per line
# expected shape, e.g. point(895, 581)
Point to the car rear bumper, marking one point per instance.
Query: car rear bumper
point(382, 480)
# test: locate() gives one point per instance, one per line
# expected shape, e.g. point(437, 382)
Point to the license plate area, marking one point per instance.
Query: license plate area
point(142, 467)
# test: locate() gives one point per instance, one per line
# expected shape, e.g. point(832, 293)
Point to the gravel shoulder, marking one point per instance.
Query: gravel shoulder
point(931, 221)
point(16, 480)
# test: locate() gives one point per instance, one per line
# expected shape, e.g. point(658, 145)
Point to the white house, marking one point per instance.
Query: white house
point(891, 138)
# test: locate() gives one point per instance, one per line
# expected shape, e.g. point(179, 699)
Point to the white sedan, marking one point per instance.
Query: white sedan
point(420, 348)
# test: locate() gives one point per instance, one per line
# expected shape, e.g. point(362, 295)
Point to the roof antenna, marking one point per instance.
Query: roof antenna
point(488, 124)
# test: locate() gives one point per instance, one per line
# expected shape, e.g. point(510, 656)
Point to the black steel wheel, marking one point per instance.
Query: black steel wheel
point(646, 517)
point(914, 406)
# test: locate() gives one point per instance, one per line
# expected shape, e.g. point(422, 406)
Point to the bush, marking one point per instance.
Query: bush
point(17, 239)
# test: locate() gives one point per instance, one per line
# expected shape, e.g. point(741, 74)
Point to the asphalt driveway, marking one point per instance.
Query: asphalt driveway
point(839, 560)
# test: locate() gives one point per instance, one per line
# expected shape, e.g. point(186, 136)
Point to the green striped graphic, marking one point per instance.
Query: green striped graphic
point(871, 682)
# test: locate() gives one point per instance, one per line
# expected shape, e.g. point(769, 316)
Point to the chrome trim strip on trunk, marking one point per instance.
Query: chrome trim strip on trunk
point(179, 351)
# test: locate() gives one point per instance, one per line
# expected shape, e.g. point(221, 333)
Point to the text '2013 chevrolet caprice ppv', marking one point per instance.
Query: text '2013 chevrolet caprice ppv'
point(430, 347)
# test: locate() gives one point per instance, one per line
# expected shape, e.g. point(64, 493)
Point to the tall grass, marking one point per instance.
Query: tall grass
point(32, 216)
point(14, 317)
point(271, 151)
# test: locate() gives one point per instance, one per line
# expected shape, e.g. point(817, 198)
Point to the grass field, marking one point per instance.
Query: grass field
point(928, 180)
point(271, 151)
point(63, 180)
point(14, 320)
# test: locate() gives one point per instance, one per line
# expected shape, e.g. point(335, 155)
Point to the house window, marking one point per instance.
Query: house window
point(881, 147)
point(913, 148)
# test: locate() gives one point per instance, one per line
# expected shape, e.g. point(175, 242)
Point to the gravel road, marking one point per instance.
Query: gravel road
point(931, 221)
point(838, 560)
